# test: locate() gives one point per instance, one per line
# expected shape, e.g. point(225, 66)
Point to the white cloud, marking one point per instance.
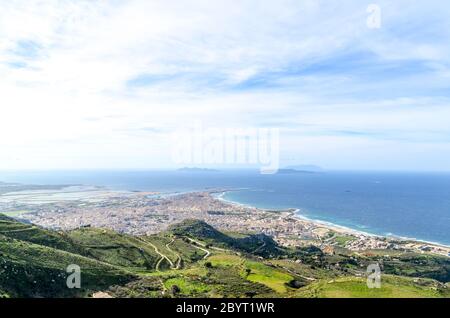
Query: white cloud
point(71, 104)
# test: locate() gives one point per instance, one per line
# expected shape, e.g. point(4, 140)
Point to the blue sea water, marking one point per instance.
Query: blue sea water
point(414, 205)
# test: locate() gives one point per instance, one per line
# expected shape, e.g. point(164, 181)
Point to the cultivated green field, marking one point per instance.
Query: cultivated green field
point(356, 287)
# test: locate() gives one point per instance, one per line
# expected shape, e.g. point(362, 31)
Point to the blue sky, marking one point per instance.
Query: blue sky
point(103, 84)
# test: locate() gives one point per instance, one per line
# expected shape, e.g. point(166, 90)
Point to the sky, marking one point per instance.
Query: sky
point(105, 84)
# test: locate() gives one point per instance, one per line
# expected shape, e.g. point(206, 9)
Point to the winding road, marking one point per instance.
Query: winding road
point(162, 256)
point(172, 251)
point(200, 248)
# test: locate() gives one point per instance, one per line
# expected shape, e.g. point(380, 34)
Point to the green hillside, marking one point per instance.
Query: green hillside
point(31, 270)
point(193, 259)
point(26, 232)
point(258, 244)
point(117, 249)
point(391, 287)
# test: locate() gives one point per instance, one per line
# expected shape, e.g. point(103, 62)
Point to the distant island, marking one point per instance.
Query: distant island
point(304, 168)
point(293, 171)
point(300, 169)
point(187, 169)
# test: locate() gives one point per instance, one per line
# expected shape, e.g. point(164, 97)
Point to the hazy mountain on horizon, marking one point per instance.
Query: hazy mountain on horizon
point(306, 168)
point(196, 169)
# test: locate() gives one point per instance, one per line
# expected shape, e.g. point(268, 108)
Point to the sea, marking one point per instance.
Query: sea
point(407, 205)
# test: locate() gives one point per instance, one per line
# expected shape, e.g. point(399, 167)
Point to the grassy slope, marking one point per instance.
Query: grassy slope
point(31, 270)
point(103, 245)
point(113, 248)
point(33, 263)
point(33, 234)
point(34, 260)
point(269, 276)
point(245, 243)
point(419, 265)
point(356, 287)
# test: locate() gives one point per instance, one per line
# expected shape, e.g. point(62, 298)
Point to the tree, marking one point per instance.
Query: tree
point(175, 289)
point(251, 294)
point(294, 283)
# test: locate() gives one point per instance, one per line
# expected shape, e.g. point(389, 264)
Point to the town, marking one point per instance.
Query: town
point(144, 213)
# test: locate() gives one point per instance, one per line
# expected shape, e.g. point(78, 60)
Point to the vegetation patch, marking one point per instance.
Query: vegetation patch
point(343, 240)
point(356, 287)
point(186, 286)
point(225, 260)
point(266, 275)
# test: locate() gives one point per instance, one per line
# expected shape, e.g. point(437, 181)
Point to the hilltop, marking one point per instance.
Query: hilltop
point(257, 244)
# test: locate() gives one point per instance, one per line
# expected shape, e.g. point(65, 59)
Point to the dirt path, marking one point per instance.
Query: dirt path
point(259, 248)
point(200, 248)
point(18, 230)
point(172, 251)
point(162, 256)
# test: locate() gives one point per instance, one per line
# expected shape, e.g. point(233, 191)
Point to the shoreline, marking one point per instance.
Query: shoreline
point(193, 204)
point(294, 212)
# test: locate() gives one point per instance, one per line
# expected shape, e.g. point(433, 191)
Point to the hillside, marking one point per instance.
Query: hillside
point(257, 244)
point(31, 270)
point(193, 259)
point(26, 232)
point(34, 262)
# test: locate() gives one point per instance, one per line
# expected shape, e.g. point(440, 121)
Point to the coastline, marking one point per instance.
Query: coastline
point(295, 212)
point(108, 208)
